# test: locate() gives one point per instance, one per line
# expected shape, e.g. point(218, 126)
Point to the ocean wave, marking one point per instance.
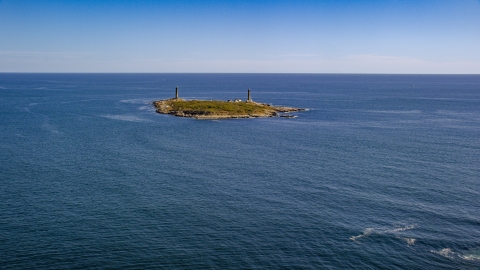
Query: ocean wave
point(366, 232)
point(125, 117)
point(134, 101)
point(26, 109)
point(473, 116)
point(384, 231)
point(144, 108)
point(409, 227)
point(471, 255)
point(49, 127)
point(409, 241)
point(82, 100)
point(396, 111)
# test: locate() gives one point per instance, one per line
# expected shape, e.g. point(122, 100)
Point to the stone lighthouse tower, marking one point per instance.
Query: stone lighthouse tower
point(249, 99)
point(176, 92)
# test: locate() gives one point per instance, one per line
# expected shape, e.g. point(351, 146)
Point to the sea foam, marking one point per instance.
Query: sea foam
point(386, 231)
point(471, 255)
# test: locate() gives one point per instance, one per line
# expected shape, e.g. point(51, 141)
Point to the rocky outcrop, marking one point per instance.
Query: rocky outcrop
point(219, 109)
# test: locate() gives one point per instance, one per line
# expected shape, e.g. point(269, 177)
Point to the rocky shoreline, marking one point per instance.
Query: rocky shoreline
point(211, 109)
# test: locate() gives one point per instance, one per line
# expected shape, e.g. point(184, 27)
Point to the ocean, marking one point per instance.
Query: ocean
point(380, 172)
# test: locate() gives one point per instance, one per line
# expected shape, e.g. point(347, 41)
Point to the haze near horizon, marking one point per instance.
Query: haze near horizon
point(392, 36)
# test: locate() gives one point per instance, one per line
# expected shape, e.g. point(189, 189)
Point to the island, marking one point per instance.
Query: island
point(216, 109)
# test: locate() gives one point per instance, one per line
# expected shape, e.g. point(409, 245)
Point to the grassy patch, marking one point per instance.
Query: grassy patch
point(220, 107)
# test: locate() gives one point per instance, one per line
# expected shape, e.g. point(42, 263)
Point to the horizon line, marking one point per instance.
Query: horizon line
point(250, 73)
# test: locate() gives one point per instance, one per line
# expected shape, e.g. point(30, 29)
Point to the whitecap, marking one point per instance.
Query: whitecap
point(409, 241)
point(471, 255)
point(366, 232)
point(409, 227)
point(446, 252)
point(386, 231)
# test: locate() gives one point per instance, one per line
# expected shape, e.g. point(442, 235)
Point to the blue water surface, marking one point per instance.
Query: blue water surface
point(381, 172)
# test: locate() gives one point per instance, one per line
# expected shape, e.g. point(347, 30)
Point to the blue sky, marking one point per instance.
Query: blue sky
point(303, 36)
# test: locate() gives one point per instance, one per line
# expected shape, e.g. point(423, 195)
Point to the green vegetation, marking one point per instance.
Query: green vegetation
point(220, 107)
point(214, 109)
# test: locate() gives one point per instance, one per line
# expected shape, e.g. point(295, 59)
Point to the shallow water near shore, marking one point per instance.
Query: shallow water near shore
point(381, 172)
